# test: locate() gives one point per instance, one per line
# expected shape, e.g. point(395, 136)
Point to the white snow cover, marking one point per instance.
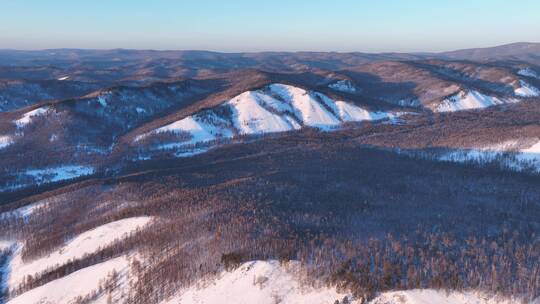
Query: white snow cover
point(276, 108)
point(349, 112)
point(4, 268)
point(86, 242)
point(469, 100)
point(25, 211)
point(526, 90)
point(49, 175)
point(343, 86)
point(509, 153)
point(55, 174)
point(528, 72)
point(4, 244)
point(199, 129)
point(261, 282)
point(308, 106)
point(531, 156)
point(429, 296)
point(5, 141)
point(269, 282)
point(102, 98)
point(27, 117)
point(250, 117)
point(140, 110)
point(79, 283)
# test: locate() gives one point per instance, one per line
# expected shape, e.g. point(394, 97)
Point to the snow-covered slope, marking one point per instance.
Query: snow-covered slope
point(528, 72)
point(468, 100)
point(253, 113)
point(26, 211)
point(262, 282)
point(26, 118)
point(275, 108)
point(429, 296)
point(81, 283)
point(87, 242)
point(526, 90)
point(269, 282)
point(511, 155)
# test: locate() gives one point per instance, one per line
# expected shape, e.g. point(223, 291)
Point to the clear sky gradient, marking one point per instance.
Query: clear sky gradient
point(268, 25)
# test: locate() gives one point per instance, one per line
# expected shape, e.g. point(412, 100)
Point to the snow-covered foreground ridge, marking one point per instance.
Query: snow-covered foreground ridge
point(262, 282)
point(83, 283)
point(275, 108)
point(85, 243)
point(429, 296)
point(269, 282)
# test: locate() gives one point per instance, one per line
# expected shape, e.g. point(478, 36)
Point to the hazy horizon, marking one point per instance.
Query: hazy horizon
point(246, 26)
point(262, 51)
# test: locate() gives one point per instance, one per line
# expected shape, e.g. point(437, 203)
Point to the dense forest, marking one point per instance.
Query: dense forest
point(364, 219)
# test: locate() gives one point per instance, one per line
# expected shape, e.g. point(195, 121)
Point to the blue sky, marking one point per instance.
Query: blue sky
point(274, 25)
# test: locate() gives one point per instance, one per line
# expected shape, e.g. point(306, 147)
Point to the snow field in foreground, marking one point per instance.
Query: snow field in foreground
point(269, 282)
point(79, 283)
point(86, 242)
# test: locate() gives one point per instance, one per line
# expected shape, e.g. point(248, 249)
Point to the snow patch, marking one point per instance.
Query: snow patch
point(47, 175)
point(530, 156)
point(5, 245)
point(85, 243)
point(528, 72)
point(27, 117)
point(25, 211)
point(5, 141)
point(526, 90)
point(55, 174)
point(190, 153)
point(468, 101)
point(351, 113)
point(199, 129)
point(140, 110)
point(508, 153)
point(102, 98)
point(343, 86)
point(410, 102)
point(262, 282)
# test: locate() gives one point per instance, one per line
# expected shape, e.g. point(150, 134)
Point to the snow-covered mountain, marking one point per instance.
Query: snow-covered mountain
point(275, 108)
